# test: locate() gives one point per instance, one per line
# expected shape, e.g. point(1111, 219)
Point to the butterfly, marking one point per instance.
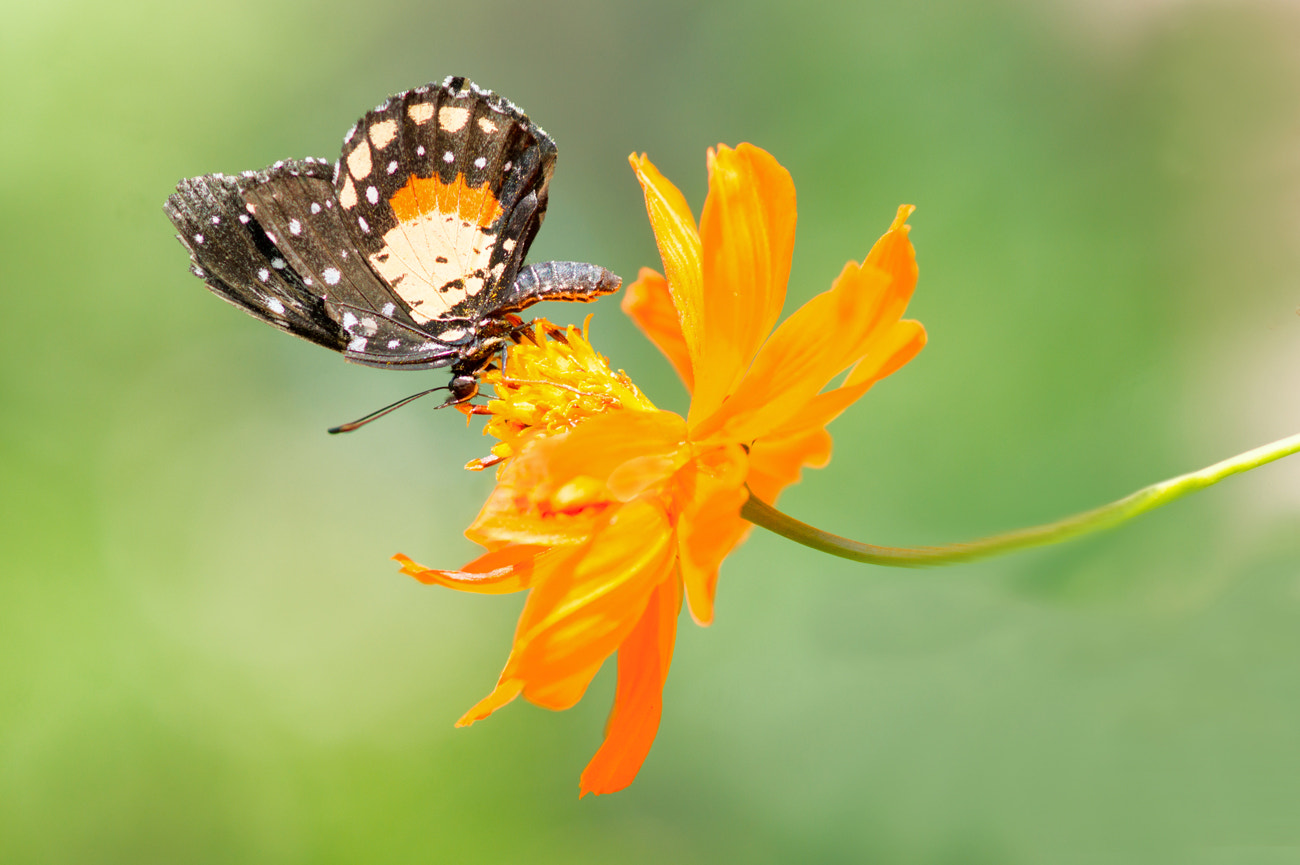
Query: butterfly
point(408, 252)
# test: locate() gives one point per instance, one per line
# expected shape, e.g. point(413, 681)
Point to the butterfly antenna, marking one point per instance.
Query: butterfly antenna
point(376, 415)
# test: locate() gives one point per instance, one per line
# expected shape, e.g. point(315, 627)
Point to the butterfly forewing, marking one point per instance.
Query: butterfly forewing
point(233, 254)
point(443, 190)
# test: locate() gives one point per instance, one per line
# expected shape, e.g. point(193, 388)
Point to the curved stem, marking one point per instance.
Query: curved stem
point(1105, 517)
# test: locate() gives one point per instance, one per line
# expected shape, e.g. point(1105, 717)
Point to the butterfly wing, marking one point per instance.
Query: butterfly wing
point(232, 253)
point(444, 189)
point(302, 217)
point(272, 242)
point(398, 254)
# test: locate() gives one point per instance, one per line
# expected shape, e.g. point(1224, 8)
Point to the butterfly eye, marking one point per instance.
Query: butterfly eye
point(463, 388)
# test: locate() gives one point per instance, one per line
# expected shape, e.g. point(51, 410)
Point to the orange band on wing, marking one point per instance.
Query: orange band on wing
point(423, 195)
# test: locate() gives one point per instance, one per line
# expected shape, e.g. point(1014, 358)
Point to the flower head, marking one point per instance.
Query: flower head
point(610, 510)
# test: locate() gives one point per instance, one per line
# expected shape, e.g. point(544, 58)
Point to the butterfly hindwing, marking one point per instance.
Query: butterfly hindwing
point(443, 189)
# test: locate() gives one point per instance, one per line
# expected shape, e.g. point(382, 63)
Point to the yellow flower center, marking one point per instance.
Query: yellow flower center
point(552, 380)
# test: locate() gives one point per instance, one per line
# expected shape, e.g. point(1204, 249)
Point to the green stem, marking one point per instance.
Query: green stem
point(1104, 517)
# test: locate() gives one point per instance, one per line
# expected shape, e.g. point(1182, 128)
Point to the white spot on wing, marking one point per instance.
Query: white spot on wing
point(487, 125)
point(372, 195)
point(331, 275)
point(481, 162)
point(449, 157)
point(349, 320)
point(243, 217)
point(277, 263)
point(365, 226)
point(358, 344)
point(198, 238)
point(389, 308)
point(295, 227)
point(315, 208)
point(394, 343)
point(264, 274)
point(392, 167)
point(216, 220)
point(420, 150)
point(276, 306)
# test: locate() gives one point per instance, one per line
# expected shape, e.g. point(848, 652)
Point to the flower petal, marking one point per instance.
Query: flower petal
point(705, 538)
point(709, 526)
point(747, 232)
point(776, 462)
point(579, 615)
point(495, 573)
point(600, 445)
point(826, 335)
point(640, 473)
point(649, 303)
point(505, 691)
point(894, 349)
point(509, 518)
point(560, 694)
point(679, 247)
point(643, 662)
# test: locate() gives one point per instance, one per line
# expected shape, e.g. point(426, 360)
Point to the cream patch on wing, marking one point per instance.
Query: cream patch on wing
point(420, 112)
point(451, 118)
point(429, 272)
point(359, 161)
point(439, 251)
point(348, 196)
point(383, 133)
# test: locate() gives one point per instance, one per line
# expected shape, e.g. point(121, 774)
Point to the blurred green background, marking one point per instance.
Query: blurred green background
point(207, 656)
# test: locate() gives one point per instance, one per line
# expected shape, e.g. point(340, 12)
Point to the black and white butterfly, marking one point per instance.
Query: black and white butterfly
point(408, 252)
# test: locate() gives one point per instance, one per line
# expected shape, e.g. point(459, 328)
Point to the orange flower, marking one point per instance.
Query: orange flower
point(609, 509)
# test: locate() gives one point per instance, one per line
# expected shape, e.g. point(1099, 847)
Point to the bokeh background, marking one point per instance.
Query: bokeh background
point(206, 655)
